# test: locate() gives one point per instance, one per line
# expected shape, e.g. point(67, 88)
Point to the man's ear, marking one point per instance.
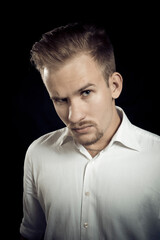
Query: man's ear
point(115, 84)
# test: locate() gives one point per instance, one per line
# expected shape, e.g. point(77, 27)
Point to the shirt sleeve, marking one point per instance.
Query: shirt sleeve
point(33, 223)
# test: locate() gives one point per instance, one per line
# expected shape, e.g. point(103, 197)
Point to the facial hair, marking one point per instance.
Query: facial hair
point(82, 138)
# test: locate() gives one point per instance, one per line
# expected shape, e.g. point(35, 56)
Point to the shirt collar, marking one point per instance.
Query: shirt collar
point(65, 136)
point(125, 134)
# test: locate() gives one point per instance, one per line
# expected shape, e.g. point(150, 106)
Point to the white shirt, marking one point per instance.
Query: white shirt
point(68, 195)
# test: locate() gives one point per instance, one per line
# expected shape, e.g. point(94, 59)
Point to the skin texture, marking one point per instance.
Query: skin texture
point(84, 102)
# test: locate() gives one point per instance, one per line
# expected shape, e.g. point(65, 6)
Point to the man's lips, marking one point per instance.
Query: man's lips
point(83, 129)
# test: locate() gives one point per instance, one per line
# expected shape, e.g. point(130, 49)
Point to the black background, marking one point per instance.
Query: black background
point(134, 31)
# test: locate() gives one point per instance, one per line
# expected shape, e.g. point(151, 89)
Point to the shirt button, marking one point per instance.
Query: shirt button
point(87, 193)
point(85, 225)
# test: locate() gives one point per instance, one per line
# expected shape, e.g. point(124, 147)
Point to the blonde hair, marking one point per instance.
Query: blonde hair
point(66, 42)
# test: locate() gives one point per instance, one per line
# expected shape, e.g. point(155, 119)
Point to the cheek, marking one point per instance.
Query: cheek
point(101, 109)
point(100, 104)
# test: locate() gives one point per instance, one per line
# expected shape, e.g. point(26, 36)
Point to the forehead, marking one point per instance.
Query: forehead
point(73, 75)
point(79, 64)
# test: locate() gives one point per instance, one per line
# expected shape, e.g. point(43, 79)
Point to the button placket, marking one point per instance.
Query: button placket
point(86, 200)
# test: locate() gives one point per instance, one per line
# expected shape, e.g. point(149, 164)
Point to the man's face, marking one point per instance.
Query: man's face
point(81, 99)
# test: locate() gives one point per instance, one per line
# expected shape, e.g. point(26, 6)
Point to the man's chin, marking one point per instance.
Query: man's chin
point(87, 140)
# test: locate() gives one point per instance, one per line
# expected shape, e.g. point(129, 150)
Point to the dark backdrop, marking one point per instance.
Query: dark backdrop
point(134, 31)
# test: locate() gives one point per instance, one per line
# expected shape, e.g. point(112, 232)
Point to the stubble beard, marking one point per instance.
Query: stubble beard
point(85, 140)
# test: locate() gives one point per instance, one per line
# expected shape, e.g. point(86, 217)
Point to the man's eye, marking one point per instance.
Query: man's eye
point(86, 93)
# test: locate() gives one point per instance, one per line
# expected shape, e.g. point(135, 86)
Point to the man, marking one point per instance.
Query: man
point(98, 178)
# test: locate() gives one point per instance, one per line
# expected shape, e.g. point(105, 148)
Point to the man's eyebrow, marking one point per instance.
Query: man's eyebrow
point(86, 86)
point(57, 97)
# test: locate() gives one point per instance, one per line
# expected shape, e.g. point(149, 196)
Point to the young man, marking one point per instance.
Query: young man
point(98, 178)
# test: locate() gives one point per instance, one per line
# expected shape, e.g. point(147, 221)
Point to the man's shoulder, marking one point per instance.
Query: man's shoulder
point(46, 149)
point(147, 139)
point(49, 139)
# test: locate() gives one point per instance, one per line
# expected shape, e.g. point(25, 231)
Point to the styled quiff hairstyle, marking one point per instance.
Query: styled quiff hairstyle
point(62, 44)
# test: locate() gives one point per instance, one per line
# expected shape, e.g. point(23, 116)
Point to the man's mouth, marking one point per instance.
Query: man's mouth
point(82, 130)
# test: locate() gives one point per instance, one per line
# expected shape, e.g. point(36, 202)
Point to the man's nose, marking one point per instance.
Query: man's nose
point(76, 113)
